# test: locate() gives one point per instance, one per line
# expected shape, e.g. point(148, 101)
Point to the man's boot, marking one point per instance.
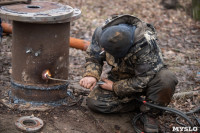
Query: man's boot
point(150, 123)
point(149, 119)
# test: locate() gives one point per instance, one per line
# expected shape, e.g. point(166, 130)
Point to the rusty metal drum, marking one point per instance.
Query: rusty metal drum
point(41, 32)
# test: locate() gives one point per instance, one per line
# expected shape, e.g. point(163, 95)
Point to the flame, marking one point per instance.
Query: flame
point(47, 73)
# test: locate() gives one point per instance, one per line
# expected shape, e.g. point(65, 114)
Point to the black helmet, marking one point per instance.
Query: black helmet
point(117, 39)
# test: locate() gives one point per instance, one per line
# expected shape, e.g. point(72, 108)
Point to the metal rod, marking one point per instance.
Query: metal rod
point(57, 79)
point(98, 83)
point(101, 52)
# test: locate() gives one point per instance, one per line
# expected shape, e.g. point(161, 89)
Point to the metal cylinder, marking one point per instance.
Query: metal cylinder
point(41, 32)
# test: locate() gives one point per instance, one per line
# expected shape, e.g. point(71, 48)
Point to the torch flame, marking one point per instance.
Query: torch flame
point(46, 74)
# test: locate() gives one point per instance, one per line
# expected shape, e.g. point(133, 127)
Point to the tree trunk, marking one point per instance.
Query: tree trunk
point(196, 9)
point(170, 4)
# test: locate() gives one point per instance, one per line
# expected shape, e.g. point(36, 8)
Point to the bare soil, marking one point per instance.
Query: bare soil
point(179, 35)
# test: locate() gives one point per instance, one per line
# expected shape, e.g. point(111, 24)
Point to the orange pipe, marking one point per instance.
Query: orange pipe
point(74, 42)
point(79, 43)
point(7, 28)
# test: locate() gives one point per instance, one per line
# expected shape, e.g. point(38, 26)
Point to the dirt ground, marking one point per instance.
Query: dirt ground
point(179, 35)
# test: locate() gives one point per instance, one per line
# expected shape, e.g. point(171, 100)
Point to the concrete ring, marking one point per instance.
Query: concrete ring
point(29, 124)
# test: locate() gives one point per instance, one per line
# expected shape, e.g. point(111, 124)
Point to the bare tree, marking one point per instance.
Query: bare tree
point(170, 4)
point(196, 9)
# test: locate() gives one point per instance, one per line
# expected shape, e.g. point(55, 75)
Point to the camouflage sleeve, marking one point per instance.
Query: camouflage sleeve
point(149, 62)
point(130, 86)
point(94, 61)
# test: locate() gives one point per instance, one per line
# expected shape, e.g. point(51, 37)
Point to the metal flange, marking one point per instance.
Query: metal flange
point(39, 12)
point(29, 124)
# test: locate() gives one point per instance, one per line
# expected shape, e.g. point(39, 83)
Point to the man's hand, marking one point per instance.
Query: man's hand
point(88, 82)
point(107, 85)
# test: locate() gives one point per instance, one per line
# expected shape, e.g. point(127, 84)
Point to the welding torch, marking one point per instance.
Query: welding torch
point(47, 75)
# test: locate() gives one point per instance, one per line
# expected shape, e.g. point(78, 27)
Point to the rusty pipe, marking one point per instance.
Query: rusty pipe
point(15, 2)
point(40, 40)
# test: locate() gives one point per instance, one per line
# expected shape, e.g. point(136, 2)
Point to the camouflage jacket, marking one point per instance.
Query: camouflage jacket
point(133, 72)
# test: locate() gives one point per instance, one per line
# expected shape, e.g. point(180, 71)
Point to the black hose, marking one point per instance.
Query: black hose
point(135, 119)
point(178, 122)
point(180, 113)
point(187, 113)
point(193, 111)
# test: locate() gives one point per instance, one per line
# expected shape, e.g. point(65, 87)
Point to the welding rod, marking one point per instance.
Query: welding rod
point(101, 52)
point(56, 79)
point(98, 83)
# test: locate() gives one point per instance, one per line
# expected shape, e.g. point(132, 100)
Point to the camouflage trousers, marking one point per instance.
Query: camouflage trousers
point(160, 91)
